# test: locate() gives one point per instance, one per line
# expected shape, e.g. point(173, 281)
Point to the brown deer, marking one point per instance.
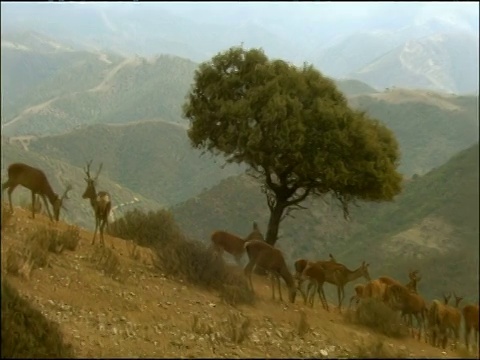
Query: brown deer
point(443, 318)
point(454, 319)
point(339, 275)
point(409, 303)
point(100, 202)
point(36, 181)
point(270, 259)
point(315, 273)
point(233, 244)
point(300, 265)
point(470, 316)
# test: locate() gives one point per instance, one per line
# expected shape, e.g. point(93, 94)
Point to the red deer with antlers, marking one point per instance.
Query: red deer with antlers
point(36, 181)
point(100, 201)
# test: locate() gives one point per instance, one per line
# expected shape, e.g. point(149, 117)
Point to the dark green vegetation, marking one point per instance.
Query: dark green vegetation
point(440, 209)
point(151, 158)
point(180, 256)
point(294, 130)
point(26, 333)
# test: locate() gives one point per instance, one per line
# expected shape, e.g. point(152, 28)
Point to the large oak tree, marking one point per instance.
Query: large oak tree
point(293, 128)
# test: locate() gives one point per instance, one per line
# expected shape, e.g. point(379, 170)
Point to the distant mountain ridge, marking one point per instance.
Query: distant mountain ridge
point(339, 45)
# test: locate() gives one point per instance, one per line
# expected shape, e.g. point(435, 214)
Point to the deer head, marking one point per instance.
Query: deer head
point(90, 191)
point(413, 275)
point(364, 271)
point(59, 202)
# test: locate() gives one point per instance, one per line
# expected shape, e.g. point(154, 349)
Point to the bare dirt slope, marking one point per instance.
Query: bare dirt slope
point(146, 314)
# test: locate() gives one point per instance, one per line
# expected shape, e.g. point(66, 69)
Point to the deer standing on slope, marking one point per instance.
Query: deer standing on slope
point(233, 244)
point(271, 260)
point(36, 181)
point(101, 202)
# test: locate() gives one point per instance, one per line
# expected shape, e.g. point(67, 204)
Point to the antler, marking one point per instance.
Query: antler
point(87, 170)
point(98, 172)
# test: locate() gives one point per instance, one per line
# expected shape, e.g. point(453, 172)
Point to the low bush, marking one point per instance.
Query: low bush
point(181, 257)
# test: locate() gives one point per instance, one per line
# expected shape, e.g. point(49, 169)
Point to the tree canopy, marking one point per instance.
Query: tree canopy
point(293, 128)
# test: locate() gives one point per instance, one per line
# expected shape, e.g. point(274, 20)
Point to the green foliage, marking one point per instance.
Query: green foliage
point(180, 256)
point(26, 333)
point(293, 128)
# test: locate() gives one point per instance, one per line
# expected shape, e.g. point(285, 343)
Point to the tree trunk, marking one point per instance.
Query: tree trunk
point(274, 222)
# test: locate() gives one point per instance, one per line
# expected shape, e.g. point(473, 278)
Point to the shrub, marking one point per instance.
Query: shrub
point(181, 257)
point(38, 243)
point(378, 316)
point(26, 333)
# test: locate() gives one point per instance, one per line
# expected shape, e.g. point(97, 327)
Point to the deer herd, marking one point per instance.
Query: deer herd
point(438, 320)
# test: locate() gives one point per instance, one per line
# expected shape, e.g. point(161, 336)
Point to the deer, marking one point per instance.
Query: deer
point(36, 181)
point(453, 318)
point(315, 273)
point(339, 275)
point(299, 266)
point(263, 255)
point(401, 298)
point(442, 318)
point(233, 244)
point(470, 317)
point(100, 202)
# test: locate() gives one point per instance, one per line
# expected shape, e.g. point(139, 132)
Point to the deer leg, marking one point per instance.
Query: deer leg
point(280, 287)
point(33, 205)
point(248, 273)
point(339, 299)
point(95, 231)
point(322, 296)
point(272, 283)
point(46, 205)
point(10, 190)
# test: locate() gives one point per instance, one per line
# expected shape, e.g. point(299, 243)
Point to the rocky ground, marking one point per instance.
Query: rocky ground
point(124, 307)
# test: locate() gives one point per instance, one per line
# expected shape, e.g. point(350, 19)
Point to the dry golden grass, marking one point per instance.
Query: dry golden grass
point(151, 313)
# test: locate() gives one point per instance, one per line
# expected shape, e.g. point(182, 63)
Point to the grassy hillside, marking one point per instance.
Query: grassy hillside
point(433, 224)
point(70, 89)
point(430, 127)
point(153, 158)
point(131, 301)
point(61, 173)
point(438, 211)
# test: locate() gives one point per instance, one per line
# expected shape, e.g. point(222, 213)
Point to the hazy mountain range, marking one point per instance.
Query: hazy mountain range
point(345, 40)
